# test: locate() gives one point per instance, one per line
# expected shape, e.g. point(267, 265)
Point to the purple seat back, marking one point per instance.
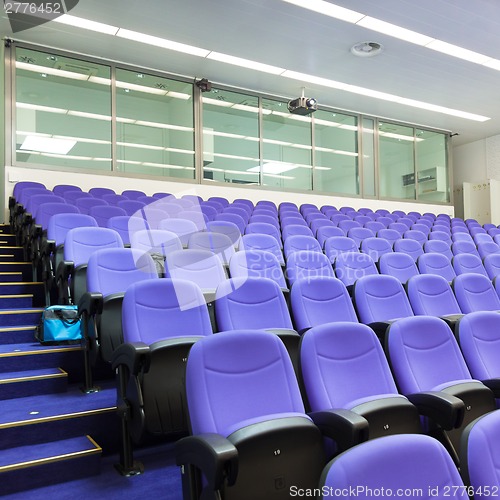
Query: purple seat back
point(218, 243)
point(475, 292)
point(479, 338)
point(102, 213)
point(81, 242)
point(154, 310)
point(320, 300)
point(99, 192)
point(468, 263)
point(492, 265)
point(155, 241)
point(264, 228)
point(263, 242)
point(380, 298)
point(113, 270)
point(350, 266)
point(60, 224)
point(253, 303)
point(438, 246)
point(298, 242)
point(227, 381)
point(390, 462)
point(85, 204)
point(358, 234)
point(325, 232)
point(47, 210)
point(333, 353)
point(431, 295)
point(307, 264)
point(183, 228)
point(398, 264)
point(296, 230)
point(424, 355)
point(200, 266)
point(375, 247)
point(411, 247)
point(436, 263)
point(256, 263)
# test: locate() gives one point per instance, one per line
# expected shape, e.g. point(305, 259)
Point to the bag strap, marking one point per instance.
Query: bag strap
point(67, 321)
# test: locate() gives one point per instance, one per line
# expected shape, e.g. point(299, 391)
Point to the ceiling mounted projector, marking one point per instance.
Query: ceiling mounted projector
point(302, 106)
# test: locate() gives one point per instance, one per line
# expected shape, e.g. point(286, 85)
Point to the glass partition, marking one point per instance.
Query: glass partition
point(335, 153)
point(63, 111)
point(433, 182)
point(154, 125)
point(396, 161)
point(73, 113)
point(287, 149)
point(230, 137)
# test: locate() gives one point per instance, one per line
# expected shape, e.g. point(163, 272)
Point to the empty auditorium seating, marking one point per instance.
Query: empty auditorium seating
point(307, 264)
point(468, 263)
point(398, 264)
point(389, 463)
point(228, 389)
point(333, 353)
point(475, 292)
point(319, 300)
point(436, 263)
point(426, 360)
point(350, 266)
point(161, 321)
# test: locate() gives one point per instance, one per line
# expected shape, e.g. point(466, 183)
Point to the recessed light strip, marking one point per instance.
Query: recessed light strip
point(323, 7)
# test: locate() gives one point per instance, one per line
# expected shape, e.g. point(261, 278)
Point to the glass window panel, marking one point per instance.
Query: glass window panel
point(154, 125)
point(397, 172)
point(63, 111)
point(287, 158)
point(230, 137)
point(336, 153)
point(433, 181)
point(368, 158)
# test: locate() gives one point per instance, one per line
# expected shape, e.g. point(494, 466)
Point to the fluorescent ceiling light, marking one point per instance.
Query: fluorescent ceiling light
point(178, 95)
point(455, 51)
point(47, 145)
point(274, 167)
point(162, 42)
point(164, 125)
point(140, 88)
point(80, 22)
point(216, 102)
point(245, 63)
point(329, 9)
point(94, 116)
point(37, 107)
point(394, 31)
point(50, 71)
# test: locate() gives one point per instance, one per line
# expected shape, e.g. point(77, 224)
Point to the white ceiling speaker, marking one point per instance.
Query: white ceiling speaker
point(366, 49)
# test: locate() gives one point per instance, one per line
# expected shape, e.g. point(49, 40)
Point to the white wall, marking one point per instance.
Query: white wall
point(86, 181)
point(469, 163)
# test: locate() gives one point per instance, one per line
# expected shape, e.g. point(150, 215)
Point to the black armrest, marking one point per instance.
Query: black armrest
point(90, 304)
point(446, 410)
point(214, 455)
point(134, 355)
point(345, 427)
point(36, 231)
point(494, 385)
point(48, 247)
point(64, 271)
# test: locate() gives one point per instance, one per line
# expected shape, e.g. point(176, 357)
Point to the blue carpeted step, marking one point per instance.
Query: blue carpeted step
point(32, 383)
point(11, 277)
point(26, 268)
point(19, 357)
point(11, 253)
point(39, 419)
point(7, 239)
point(19, 301)
point(24, 287)
point(20, 317)
point(17, 335)
point(32, 466)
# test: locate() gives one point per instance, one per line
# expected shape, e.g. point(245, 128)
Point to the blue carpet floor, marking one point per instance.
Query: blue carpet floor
point(161, 481)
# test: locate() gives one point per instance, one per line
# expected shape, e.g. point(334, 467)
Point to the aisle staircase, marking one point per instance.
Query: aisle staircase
point(50, 431)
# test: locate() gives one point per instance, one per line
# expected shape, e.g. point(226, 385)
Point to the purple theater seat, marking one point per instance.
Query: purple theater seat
point(307, 264)
point(257, 263)
point(475, 292)
point(320, 300)
point(234, 407)
point(436, 263)
point(351, 266)
point(426, 360)
point(412, 247)
point(399, 265)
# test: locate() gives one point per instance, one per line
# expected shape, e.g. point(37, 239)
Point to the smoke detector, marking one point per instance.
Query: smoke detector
point(366, 49)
